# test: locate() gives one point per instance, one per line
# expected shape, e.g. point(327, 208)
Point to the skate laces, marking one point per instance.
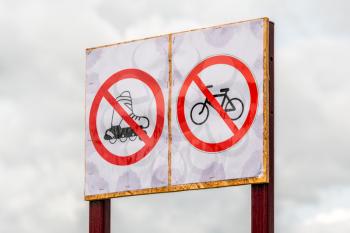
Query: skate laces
point(133, 116)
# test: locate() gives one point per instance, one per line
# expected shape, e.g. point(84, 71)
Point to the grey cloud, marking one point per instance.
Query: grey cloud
point(42, 63)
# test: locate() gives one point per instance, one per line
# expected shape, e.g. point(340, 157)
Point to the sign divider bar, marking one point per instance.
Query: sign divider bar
point(170, 84)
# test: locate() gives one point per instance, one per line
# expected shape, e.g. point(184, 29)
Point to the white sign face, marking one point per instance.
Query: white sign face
point(126, 99)
point(178, 112)
point(218, 78)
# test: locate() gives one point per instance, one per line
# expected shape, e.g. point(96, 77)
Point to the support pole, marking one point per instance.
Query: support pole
point(100, 216)
point(262, 195)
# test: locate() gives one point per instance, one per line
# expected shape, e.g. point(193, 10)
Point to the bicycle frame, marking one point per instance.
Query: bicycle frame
point(228, 105)
point(223, 101)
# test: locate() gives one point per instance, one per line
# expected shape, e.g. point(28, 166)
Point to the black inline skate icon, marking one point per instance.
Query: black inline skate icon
point(124, 133)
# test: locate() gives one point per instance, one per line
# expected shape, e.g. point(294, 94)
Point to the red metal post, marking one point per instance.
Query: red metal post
point(262, 195)
point(100, 216)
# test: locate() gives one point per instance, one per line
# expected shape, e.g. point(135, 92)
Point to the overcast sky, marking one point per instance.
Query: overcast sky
point(42, 62)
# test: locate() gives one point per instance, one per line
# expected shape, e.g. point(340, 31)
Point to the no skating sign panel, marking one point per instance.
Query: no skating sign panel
point(126, 125)
point(183, 111)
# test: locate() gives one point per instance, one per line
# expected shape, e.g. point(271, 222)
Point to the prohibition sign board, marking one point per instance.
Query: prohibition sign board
point(238, 133)
point(172, 154)
point(149, 141)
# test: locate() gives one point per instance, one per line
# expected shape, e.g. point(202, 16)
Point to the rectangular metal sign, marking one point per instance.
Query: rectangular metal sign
point(182, 111)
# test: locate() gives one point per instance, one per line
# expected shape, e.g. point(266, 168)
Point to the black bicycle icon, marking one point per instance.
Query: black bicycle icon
point(233, 106)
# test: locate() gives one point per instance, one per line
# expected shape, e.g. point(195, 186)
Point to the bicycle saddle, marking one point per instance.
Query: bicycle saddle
point(224, 89)
point(209, 86)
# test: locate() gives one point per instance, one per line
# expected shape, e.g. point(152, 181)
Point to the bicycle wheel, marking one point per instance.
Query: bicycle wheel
point(199, 113)
point(234, 108)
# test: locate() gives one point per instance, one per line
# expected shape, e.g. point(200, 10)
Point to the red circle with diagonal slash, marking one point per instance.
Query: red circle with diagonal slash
point(149, 142)
point(238, 133)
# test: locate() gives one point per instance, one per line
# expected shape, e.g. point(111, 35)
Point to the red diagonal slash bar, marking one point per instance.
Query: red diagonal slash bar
point(134, 126)
point(216, 104)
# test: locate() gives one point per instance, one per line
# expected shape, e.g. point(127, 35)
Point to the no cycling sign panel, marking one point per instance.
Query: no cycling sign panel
point(182, 111)
point(219, 103)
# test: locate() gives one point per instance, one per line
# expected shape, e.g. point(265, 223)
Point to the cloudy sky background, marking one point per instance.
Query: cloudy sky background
point(42, 62)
